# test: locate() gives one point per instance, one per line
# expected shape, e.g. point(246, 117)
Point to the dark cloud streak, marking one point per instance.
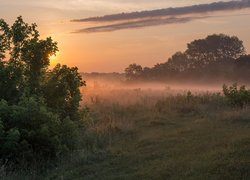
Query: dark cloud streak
point(159, 17)
point(137, 24)
point(202, 8)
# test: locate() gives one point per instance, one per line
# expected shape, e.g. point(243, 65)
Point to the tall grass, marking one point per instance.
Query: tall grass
point(145, 134)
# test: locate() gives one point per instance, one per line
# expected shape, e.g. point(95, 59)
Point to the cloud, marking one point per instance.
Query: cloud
point(158, 17)
point(137, 24)
point(202, 8)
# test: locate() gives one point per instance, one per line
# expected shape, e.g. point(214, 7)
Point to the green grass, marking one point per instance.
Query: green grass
point(178, 137)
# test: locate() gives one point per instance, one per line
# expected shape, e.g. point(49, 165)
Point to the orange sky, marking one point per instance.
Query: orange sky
point(114, 51)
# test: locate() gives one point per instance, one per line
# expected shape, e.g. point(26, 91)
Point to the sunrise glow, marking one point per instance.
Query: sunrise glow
point(125, 89)
point(112, 50)
point(53, 57)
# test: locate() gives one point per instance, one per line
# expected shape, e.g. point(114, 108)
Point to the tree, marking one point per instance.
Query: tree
point(178, 62)
point(38, 107)
point(61, 90)
point(5, 37)
point(242, 68)
point(29, 58)
point(214, 48)
point(216, 56)
point(133, 71)
point(10, 71)
point(243, 60)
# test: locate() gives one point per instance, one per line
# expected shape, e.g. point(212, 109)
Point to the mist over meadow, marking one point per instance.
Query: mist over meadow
point(185, 116)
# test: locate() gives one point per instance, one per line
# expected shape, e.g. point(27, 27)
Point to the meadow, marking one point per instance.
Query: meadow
point(162, 133)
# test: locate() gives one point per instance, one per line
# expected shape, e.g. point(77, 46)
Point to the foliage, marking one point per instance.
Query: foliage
point(39, 116)
point(178, 62)
point(133, 71)
point(237, 96)
point(214, 48)
point(61, 90)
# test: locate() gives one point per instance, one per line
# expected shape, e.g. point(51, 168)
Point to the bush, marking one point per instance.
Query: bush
point(29, 131)
point(237, 96)
point(39, 118)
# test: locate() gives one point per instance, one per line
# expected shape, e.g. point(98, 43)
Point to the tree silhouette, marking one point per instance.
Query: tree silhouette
point(214, 48)
point(178, 62)
point(133, 71)
point(217, 56)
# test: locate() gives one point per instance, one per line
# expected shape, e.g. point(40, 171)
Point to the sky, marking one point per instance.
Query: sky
point(108, 35)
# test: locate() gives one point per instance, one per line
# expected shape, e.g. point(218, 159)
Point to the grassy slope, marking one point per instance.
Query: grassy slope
point(176, 139)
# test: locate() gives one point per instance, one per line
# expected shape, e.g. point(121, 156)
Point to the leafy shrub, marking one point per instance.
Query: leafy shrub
point(29, 131)
point(237, 96)
point(39, 117)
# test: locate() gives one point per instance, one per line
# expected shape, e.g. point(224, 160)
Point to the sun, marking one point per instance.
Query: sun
point(53, 57)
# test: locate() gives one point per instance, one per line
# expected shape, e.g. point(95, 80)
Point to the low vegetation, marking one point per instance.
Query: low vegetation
point(237, 96)
point(188, 135)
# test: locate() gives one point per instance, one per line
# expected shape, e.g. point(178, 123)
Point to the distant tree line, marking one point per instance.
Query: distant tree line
point(39, 116)
point(217, 58)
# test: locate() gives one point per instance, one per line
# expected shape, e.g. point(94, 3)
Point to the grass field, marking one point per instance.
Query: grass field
point(140, 135)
